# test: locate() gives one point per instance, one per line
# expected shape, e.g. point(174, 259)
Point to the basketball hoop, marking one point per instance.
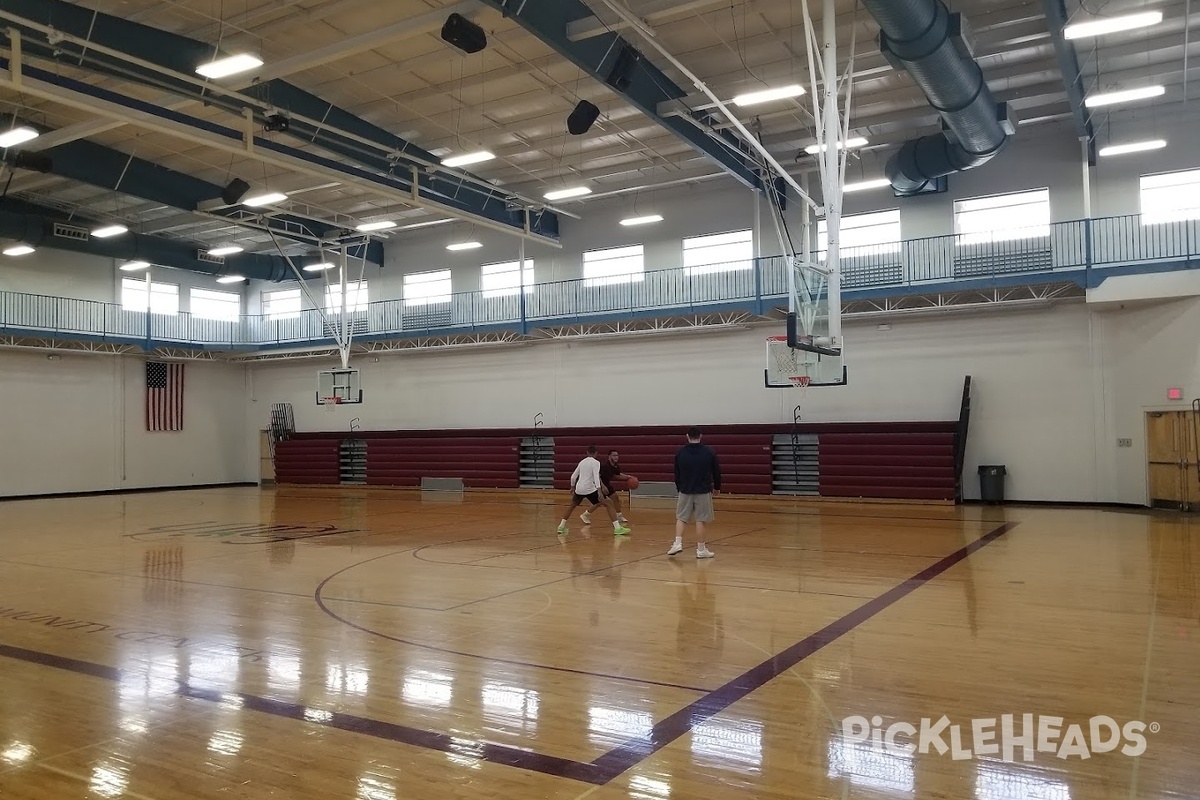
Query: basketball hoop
point(800, 380)
point(330, 403)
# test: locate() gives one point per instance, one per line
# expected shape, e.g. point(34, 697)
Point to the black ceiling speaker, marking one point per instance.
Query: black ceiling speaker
point(620, 76)
point(234, 191)
point(581, 119)
point(35, 162)
point(464, 34)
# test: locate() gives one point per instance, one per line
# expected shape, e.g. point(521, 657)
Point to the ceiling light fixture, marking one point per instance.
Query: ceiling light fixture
point(464, 246)
point(109, 230)
point(1124, 96)
point(134, 266)
point(18, 250)
point(230, 279)
point(16, 136)
point(563, 194)
point(230, 65)
point(1099, 27)
point(324, 265)
point(767, 95)
point(863, 186)
point(646, 220)
point(382, 225)
point(225, 251)
point(1132, 147)
point(266, 199)
point(468, 158)
point(855, 141)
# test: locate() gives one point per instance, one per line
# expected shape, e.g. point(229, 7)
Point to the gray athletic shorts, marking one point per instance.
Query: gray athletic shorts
point(694, 506)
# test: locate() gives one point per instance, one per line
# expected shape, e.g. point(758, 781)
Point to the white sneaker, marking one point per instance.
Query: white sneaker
point(586, 518)
point(621, 518)
point(562, 527)
point(676, 549)
point(705, 553)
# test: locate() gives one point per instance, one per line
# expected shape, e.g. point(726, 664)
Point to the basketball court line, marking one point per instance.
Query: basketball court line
point(604, 768)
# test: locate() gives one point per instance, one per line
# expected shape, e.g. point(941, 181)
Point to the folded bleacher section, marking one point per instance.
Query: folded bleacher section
point(887, 460)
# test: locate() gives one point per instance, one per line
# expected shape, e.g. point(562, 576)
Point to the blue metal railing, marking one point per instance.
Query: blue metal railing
point(1079, 248)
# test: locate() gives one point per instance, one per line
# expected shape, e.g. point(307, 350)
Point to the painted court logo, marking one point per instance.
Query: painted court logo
point(1029, 734)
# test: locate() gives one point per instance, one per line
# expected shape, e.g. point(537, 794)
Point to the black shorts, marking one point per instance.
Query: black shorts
point(594, 498)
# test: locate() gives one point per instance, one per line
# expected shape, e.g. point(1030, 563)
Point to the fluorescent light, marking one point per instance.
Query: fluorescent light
point(767, 95)
point(1099, 27)
point(862, 186)
point(134, 266)
point(230, 65)
point(109, 230)
point(324, 265)
point(383, 225)
point(225, 251)
point(646, 220)
point(855, 141)
point(464, 246)
point(230, 279)
point(1123, 96)
point(18, 250)
point(270, 198)
point(467, 158)
point(16, 136)
point(563, 194)
point(1132, 147)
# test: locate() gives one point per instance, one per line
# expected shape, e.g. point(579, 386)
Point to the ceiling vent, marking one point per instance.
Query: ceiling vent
point(210, 259)
point(65, 231)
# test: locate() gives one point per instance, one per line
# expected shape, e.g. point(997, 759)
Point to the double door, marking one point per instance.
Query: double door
point(1171, 449)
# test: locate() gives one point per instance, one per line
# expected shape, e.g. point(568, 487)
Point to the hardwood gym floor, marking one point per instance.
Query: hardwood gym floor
point(381, 645)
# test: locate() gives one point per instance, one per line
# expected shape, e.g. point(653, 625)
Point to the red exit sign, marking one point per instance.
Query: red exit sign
point(1175, 393)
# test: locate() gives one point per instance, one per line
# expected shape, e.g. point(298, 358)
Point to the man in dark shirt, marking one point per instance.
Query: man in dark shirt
point(697, 478)
point(610, 470)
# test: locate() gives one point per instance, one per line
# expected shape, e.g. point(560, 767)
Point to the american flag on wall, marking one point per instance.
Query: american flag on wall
point(164, 396)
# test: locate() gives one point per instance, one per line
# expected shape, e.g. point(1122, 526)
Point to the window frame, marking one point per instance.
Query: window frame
point(721, 266)
point(1175, 213)
point(216, 296)
point(443, 275)
point(266, 302)
point(1038, 230)
point(523, 277)
point(863, 250)
point(148, 305)
point(358, 297)
point(614, 278)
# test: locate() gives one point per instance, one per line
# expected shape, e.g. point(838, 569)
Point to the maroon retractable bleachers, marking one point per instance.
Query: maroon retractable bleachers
point(745, 458)
point(307, 461)
point(885, 463)
point(481, 461)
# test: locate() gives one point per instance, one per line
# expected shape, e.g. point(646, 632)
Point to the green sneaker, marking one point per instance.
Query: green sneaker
point(562, 527)
point(622, 531)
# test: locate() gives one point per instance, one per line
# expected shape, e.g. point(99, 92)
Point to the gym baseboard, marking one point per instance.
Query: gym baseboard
point(142, 490)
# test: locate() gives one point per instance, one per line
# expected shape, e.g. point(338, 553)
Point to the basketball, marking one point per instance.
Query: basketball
point(631, 483)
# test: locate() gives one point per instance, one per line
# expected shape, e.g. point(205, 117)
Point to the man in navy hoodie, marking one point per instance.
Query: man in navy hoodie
point(697, 477)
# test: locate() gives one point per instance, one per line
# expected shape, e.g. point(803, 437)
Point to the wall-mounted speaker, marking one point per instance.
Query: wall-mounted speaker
point(581, 119)
point(464, 34)
point(234, 191)
point(620, 76)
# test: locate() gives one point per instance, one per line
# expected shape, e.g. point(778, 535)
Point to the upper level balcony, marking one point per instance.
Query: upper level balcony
point(1082, 253)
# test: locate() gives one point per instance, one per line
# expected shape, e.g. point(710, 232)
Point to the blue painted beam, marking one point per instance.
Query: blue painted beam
point(644, 86)
point(34, 225)
point(107, 168)
point(181, 54)
point(1068, 64)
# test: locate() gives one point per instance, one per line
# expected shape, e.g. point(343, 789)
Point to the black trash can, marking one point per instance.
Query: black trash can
point(991, 482)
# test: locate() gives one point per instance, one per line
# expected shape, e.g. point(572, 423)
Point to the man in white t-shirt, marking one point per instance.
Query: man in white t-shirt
point(586, 485)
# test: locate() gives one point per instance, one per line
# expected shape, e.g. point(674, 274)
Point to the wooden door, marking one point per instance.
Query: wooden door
point(266, 464)
point(1171, 453)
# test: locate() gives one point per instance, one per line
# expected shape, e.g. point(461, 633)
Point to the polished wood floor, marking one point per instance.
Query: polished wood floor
point(384, 645)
